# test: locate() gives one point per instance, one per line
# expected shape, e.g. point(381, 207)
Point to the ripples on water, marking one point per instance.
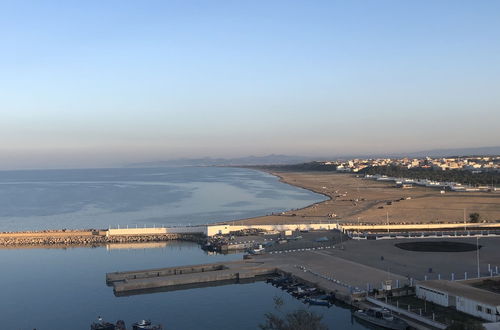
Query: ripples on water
point(99, 198)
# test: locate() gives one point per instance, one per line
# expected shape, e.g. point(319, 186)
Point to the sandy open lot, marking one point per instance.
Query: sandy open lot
point(355, 200)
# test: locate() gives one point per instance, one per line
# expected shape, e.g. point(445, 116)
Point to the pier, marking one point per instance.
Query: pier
point(318, 267)
point(174, 278)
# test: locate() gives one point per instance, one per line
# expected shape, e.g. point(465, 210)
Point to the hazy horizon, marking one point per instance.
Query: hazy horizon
point(103, 84)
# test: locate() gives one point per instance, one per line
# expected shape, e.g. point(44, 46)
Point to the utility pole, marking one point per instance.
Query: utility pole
point(465, 222)
point(477, 250)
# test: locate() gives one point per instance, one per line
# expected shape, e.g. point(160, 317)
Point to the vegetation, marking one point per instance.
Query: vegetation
point(474, 217)
point(300, 319)
point(460, 176)
point(455, 175)
point(305, 167)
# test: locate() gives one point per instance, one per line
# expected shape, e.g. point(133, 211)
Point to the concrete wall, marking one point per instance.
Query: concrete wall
point(226, 229)
point(157, 231)
point(136, 231)
point(428, 226)
point(432, 295)
point(212, 230)
point(188, 230)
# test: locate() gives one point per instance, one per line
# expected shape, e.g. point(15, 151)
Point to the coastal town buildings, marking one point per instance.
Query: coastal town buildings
point(478, 164)
point(472, 164)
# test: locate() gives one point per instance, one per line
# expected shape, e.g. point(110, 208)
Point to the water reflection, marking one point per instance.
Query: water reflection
point(60, 289)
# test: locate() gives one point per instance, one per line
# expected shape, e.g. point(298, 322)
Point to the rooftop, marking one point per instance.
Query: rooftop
point(462, 289)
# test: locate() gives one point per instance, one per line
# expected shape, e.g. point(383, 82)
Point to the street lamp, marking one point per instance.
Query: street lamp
point(477, 255)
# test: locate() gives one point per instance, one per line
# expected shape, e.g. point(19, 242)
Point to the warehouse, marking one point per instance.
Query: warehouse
point(463, 297)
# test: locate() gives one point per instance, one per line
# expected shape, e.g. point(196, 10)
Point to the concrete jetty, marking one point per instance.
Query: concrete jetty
point(344, 278)
point(175, 277)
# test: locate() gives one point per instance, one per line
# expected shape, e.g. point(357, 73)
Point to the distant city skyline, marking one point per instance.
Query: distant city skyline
point(100, 84)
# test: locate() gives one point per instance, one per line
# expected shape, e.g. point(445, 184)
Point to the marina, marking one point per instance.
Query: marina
point(323, 264)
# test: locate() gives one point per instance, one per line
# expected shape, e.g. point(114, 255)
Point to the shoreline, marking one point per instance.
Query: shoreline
point(282, 180)
point(346, 197)
point(355, 200)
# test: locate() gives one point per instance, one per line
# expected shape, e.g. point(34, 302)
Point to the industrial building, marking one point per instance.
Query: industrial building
point(463, 296)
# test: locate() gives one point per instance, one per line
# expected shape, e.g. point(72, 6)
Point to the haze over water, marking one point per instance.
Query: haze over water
point(99, 198)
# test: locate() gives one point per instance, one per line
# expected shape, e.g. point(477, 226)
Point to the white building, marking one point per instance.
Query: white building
point(464, 297)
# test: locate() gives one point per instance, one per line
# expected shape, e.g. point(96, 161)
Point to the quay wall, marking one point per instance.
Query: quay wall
point(136, 231)
point(125, 283)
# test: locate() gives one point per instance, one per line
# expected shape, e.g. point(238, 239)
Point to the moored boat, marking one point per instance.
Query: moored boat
point(318, 302)
point(145, 325)
point(381, 317)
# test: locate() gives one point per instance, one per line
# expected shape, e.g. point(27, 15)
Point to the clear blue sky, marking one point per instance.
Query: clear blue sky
point(102, 83)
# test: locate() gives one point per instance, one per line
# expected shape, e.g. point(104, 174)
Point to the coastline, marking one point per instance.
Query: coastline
point(349, 200)
point(271, 218)
point(355, 200)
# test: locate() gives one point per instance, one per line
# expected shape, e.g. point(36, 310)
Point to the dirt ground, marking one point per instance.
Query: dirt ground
point(355, 199)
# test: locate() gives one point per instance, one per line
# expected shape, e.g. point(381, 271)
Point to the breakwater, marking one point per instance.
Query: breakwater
point(87, 238)
point(91, 237)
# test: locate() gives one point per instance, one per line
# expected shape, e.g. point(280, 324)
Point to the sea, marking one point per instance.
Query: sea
point(65, 288)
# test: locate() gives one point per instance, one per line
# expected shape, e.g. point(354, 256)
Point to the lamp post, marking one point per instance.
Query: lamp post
point(477, 255)
point(465, 222)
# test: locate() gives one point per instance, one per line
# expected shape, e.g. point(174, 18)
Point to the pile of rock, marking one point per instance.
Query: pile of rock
point(93, 240)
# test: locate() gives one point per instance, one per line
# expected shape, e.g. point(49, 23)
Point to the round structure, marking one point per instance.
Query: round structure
point(440, 246)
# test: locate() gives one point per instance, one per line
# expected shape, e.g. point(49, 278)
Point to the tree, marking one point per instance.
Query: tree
point(300, 319)
point(474, 217)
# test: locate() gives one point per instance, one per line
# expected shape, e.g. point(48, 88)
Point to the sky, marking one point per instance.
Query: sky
point(106, 83)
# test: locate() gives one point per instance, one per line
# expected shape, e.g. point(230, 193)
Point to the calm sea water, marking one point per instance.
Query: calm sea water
point(99, 198)
point(65, 288)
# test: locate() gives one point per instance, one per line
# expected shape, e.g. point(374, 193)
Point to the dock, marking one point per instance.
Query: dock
point(317, 267)
point(174, 278)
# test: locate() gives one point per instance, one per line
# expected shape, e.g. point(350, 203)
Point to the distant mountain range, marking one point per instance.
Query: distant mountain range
point(285, 159)
point(208, 161)
point(479, 151)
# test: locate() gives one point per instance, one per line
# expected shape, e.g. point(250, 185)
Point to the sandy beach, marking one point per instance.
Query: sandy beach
point(354, 199)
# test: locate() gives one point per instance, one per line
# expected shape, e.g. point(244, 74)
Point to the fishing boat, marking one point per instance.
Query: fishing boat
point(145, 325)
point(381, 317)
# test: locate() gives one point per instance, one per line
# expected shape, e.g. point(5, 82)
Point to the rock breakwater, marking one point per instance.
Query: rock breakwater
point(51, 239)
